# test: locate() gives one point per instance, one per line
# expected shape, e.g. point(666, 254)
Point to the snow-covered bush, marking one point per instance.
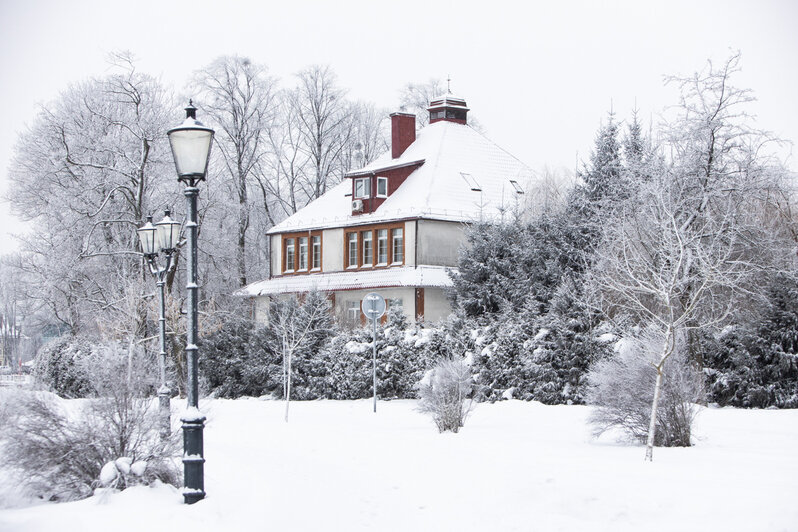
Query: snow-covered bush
point(59, 366)
point(239, 360)
point(756, 365)
point(342, 369)
point(445, 394)
point(622, 390)
point(58, 448)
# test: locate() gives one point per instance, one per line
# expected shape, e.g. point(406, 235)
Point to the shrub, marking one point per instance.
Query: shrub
point(445, 394)
point(60, 368)
point(622, 389)
point(58, 450)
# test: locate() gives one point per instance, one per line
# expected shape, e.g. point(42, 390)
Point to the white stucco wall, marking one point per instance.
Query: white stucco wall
point(410, 243)
point(332, 250)
point(436, 306)
point(277, 255)
point(439, 242)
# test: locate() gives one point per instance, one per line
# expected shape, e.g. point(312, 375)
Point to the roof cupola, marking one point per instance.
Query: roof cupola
point(447, 107)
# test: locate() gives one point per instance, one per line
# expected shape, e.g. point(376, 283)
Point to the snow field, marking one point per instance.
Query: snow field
point(514, 466)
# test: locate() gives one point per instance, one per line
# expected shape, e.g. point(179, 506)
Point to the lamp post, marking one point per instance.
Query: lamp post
point(161, 237)
point(191, 149)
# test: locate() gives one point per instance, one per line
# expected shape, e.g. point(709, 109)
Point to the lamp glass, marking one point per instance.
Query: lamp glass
point(168, 232)
point(191, 146)
point(148, 238)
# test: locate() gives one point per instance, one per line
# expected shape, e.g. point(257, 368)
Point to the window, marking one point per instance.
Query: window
point(352, 312)
point(434, 115)
point(316, 253)
point(351, 243)
point(382, 187)
point(368, 249)
point(517, 187)
point(374, 246)
point(303, 253)
point(289, 254)
point(382, 246)
point(363, 187)
point(397, 245)
point(472, 183)
point(395, 303)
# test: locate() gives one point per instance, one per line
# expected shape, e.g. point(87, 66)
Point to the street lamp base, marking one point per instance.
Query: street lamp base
point(193, 459)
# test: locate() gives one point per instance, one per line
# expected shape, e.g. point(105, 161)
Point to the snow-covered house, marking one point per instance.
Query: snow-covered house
point(395, 225)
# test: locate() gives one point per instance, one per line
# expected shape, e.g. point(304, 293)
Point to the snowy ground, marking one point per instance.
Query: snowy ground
point(515, 466)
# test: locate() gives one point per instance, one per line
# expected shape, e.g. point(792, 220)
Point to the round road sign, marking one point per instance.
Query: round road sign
point(373, 306)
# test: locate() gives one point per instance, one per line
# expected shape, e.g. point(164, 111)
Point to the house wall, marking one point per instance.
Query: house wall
point(439, 242)
point(332, 250)
point(276, 255)
point(436, 305)
point(410, 243)
point(407, 295)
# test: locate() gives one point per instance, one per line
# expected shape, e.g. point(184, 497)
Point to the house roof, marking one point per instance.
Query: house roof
point(462, 176)
point(426, 276)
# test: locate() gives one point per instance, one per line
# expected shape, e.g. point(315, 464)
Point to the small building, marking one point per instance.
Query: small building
point(396, 225)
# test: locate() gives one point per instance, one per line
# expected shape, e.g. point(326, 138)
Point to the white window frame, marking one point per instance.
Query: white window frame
point(382, 244)
point(382, 181)
point(302, 247)
point(315, 245)
point(365, 185)
point(370, 246)
point(349, 248)
point(394, 238)
point(353, 312)
point(290, 243)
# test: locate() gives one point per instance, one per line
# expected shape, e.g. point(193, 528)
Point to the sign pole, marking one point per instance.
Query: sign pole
point(373, 308)
point(374, 361)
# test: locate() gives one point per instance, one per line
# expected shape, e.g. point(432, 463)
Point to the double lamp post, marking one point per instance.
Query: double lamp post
point(191, 148)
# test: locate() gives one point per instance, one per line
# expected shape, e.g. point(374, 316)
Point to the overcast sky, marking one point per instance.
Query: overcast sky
point(540, 76)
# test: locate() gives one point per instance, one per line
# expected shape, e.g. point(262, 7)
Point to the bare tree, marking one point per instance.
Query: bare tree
point(415, 97)
point(84, 176)
point(324, 120)
point(238, 97)
point(298, 326)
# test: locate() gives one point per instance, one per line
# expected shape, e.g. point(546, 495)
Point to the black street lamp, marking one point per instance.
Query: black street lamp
point(191, 149)
point(161, 237)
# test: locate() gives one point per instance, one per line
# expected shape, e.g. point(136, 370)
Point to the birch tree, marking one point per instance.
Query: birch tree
point(298, 326)
point(689, 245)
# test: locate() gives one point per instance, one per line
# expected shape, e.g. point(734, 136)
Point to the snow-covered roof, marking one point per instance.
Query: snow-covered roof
point(452, 157)
point(426, 276)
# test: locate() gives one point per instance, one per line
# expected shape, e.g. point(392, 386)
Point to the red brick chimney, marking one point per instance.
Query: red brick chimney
point(403, 132)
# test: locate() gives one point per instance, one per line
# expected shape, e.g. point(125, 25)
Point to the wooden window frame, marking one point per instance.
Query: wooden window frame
point(294, 269)
point(359, 230)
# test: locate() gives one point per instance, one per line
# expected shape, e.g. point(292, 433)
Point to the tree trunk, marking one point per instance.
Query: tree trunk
point(288, 388)
point(652, 426)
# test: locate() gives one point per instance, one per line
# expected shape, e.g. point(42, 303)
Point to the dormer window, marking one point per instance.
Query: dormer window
point(363, 187)
point(382, 187)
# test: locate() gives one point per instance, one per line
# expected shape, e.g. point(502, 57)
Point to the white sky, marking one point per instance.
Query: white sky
point(539, 76)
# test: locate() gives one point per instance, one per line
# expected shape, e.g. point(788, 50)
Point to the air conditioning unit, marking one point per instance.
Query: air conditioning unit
point(357, 205)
